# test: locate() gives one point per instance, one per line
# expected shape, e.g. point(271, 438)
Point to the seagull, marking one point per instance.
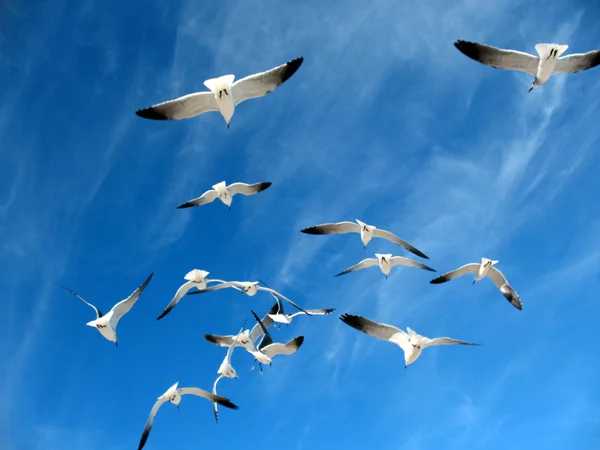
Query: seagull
point(277, 314)
point(410, 342)
point(385, 262)
point(267, 350)
point(226, 370)
point(367, 232)
point(225, 193)
point(247, 337)
point(223, 95)
point(107, 324)
point(196, 279)
point(481, 270)
point(547, 63)
point(249, 288)
point(174, 395)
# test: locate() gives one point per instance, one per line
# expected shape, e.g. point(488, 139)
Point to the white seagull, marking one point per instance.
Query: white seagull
point(246, 338)
point(547, 63)
point(410, 342)
point(174, 395)
point(249, 288)
point(226, 370)
point(107, 324)
point(481, 270)
point(367, 232)
point(196, 279)
point(223, 95)
point(385, 263)
point(277, 313)
point(225, 193)
point(267, 350)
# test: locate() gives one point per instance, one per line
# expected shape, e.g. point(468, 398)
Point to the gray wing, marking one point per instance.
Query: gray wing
point(289, 348)
point(228, 284)
point(401, 242)
point(395, 260)
point(369, 262)
point(262, 83)
point(577, 62)
point(185, 287)
point(149, 422)
point(221, 341)
point(98, 312)
point(277, 294)
point(207, 197)
point(467, 268)
point(207, 395)
point(509, 293)
point(333, 228)
point(181, 108)
point(314, 312)
point(248, 189)
point(426, 342)
point(214, 391)
point(499, 58)
point(372, 328)
point(266, 339)
point(266, 322)
point(234, 344)
point(124, 306)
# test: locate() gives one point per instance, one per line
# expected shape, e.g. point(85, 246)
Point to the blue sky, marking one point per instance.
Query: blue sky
point(385, 122)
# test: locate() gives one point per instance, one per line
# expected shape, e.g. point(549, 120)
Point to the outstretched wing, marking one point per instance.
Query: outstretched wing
point(150, 421)
point(266, 339)
point(208, 197)
point(216, 287)
point(266, 322)
point(221, 341)
point(124, 306)
point(499, 58)
point(395, 260)
point(178, 296)
point(376, 329)
point(181, 108)
point(426, 342)
point(509, 293)
point(333, 228)
point(247, 189)
point(98, 312)
point(314, 312)
point(467, 268)
point(396, 240)
point(369, 262)
point(289, 348)
point(262, 83)
point(207, 395)
point(577, 62)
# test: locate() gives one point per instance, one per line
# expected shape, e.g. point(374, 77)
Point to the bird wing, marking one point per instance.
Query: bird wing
point(396, 240)
point(395, 260)
point(426, 342)
point(208, 197)
point(267, 321)
point(369, 262)
point(98, 312)
point(228, 284)
point(289, 348)
point(207, 395)
point(221, 341)
point(181, 108)
point(314, 312)
point(277, 294)
point(214, 391)
point(262, 83)
point(501, 283)
point(185, 287)
point(372, 328)
point(333, 228)
point(467, 268)
point(577, 62)
point(248, 189)
point(233, 344)
point(266, 339)
point(150, 421)
point(124, 306)
point(499, 58)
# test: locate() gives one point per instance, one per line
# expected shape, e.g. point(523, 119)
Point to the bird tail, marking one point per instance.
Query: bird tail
point(544, 50)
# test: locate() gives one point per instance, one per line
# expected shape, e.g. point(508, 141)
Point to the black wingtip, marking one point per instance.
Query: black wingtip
point(298, 341)
point(185, 205)
point(311, 230)
point(439, 280)
point(467, 48)
point(291, 68)
point(227, 403)
point(164, 313)
point(210, 338)
point(265, 185)
point(150, 113)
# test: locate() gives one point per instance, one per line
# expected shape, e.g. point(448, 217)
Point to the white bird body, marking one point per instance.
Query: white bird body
point(107, 324)
point(484, 268)
point(410, 342)
point(221, 87)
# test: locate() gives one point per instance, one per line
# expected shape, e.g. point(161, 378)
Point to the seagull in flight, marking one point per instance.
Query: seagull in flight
point(486, 268)
point(267, 350)
point(385, 262)
point(246, 338)
point(226, 370)
point(196, 279)
point(410, 342)
point(225, 193)
point(107, 324)
point(547, 62)
point(277, 313)
point(367, 232)
point(174, 395)
point(249, 288)
point(223, 94)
